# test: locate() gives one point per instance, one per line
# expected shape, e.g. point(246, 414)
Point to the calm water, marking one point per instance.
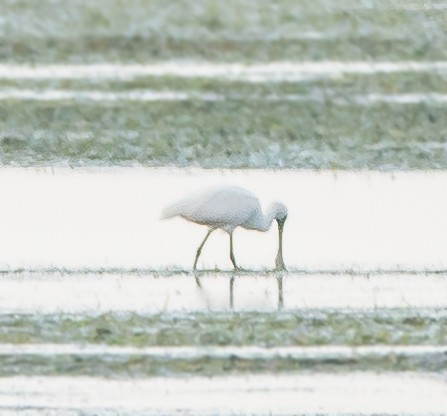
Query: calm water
point(306, 394)
point(255, 72)
point(109, 218)
point(27, 293)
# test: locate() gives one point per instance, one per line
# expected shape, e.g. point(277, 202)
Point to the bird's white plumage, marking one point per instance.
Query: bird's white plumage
point(225, 207)
point(229, 207)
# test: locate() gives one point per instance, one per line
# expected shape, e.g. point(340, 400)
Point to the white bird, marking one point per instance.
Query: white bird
point(229, 207)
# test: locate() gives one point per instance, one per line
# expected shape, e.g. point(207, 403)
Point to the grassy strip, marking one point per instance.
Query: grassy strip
point(235, 30)
point(335, 87)
point(140, 366)
point(208, 19)
point(309, 328)
point(258, 329)
point(234, 133)
point(136, 49)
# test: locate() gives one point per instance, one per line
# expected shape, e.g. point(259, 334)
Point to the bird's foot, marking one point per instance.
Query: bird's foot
point(196, 274)
point(198, 283)
point(280, 269)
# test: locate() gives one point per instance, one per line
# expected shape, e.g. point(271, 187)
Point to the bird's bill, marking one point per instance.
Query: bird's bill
point(279, 259)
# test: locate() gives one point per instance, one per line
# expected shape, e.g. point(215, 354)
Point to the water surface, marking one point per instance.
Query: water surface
point(317, 394)
point(108, 218)
point(27, 293)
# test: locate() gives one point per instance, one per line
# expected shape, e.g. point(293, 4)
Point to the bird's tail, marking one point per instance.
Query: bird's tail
point(170, 211)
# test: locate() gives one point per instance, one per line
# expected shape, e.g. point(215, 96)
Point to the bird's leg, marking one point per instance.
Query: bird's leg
point(199, 250)
point(233, 260)
point(280, 266)
point(232, 292)
point(280, 291)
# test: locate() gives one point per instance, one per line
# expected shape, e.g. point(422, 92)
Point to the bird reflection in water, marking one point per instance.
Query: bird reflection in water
point(279, 281)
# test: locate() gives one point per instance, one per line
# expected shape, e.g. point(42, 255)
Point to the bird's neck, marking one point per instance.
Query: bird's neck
point(267, 220)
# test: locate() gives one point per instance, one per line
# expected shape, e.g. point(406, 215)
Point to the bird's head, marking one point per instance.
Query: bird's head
point(281, 212)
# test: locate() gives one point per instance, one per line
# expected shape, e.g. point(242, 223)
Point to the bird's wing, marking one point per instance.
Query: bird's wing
point(222, 207)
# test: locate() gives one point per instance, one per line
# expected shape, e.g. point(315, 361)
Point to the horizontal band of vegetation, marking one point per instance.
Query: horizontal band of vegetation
point(234, 30)
point(248, 329)
point(100, 49)
point(307, 328)
point(340, 86)
point(225, 134)
point(140, 365)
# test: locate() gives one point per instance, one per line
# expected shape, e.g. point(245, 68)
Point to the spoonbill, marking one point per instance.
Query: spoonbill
point(229, 207)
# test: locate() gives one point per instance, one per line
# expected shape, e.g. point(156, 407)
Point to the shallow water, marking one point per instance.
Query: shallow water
point(256, 72)
point(89, 293)
point(109, 218)
point(179, 95)
point(304, 394)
